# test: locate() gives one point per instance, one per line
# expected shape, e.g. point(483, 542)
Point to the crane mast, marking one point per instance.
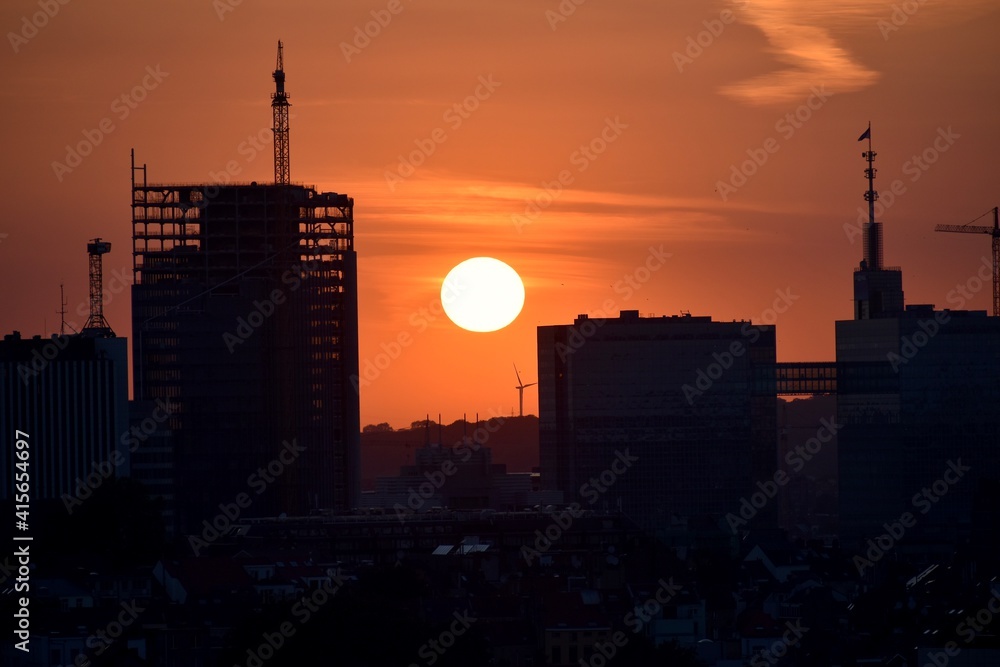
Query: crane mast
point(279, 107)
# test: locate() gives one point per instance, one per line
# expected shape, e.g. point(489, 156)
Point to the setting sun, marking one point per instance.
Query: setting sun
point(530, 333)
point(482, 294)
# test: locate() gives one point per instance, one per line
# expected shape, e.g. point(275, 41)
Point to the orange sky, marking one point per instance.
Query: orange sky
point(676, 123)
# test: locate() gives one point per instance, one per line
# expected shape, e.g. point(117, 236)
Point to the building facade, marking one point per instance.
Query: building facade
point(658, 417)
point(244, 314)
point(917, 391)
point(69, 393)
point(917, 394)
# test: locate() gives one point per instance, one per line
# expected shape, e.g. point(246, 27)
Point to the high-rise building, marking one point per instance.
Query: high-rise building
point(244, 313)
point(878, 289)
point(916, 400)
point(661, 417)
point(69, 393)
point(150, 443)
point(917, 391)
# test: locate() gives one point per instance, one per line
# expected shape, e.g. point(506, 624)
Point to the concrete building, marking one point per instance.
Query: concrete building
point(658, 417)
point(917, 390)
point(244, 313)
point(69, 393)
point(917, 393)
point(150, 443)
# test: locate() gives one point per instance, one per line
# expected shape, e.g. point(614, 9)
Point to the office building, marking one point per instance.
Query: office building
point(69, 393)
point(660, 417)
point(916, 394)
point(917, 391)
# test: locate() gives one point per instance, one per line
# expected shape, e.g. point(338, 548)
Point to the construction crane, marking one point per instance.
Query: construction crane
point(520, 391)
point(279, 107)
point(993, 231)
point(96, 324)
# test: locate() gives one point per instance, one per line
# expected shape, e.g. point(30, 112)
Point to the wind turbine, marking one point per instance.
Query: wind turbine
point(520, 390)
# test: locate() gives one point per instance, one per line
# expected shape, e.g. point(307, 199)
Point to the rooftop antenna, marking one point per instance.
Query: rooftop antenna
point(873, 232)
point(279, 107)
point(62, 312)
point(96, 324)
point(520, 390)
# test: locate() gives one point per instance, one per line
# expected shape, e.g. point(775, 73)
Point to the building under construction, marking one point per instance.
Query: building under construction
point(244, 315)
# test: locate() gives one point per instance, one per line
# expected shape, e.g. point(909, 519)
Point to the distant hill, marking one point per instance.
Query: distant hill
point(514, 442)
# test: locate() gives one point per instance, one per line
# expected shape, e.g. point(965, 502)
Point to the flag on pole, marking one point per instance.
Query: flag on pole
point(866, 135)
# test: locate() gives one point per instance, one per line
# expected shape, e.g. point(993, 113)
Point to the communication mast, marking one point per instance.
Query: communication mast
point(96, 324)
point(62, 312)
point(873, 230)
point(878, 289)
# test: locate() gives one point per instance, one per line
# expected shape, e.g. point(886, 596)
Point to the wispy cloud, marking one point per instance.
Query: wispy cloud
point(799, 35)
point(802, 36)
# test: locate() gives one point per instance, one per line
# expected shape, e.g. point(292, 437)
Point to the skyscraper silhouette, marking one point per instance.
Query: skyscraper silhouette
point(70, 394)
point(917, 391)
point(244, 313)
point(692, 400)
point(878, 289)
